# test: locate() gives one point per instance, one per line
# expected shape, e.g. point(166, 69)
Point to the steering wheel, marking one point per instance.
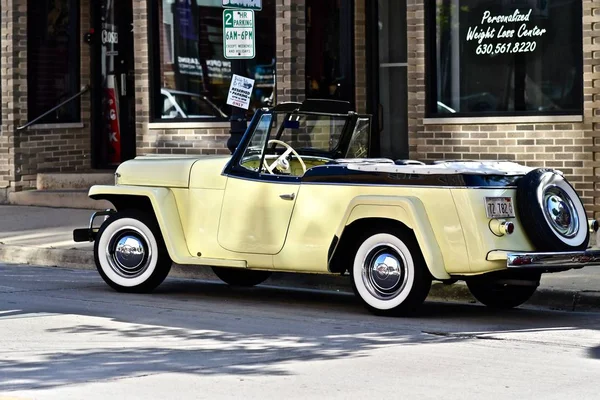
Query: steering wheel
point(282, 162)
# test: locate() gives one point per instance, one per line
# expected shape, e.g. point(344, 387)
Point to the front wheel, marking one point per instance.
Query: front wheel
point(501, 296)
point(130, 253)
point(389, 273)
point(241, 277)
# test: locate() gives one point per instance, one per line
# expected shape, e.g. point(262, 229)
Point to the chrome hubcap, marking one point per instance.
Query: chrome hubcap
point(384, 271)
point(128, 252)
point(561, 212)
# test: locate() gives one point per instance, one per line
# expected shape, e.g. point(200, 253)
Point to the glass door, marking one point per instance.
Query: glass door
point(388, 77)
point(114, 86)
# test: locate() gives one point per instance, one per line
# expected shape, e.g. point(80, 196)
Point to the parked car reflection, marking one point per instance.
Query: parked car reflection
point(442, 108)
point(178, 104)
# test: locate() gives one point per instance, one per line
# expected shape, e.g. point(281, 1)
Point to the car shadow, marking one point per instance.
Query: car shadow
point(210, 328)
point(594, 352)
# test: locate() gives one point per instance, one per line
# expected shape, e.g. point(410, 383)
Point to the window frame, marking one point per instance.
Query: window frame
point(431, 79)
point(74, 70)
point(155, 73)
point(262, 155)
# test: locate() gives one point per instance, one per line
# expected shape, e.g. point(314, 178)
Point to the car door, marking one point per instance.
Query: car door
point(256, 214)
point(257, 207)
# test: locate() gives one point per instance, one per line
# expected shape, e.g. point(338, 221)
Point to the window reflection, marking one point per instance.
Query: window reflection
point(508, 57)
point(192, 63)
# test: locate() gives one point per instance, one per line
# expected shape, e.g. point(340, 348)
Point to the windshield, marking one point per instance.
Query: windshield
point(312, 132)
point(290, 143)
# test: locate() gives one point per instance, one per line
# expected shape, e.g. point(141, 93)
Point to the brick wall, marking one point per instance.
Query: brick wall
point(566, 146)
point(51, 148)
point(591, 48)
point(8, 67)
point(143, 139)
point(291, 50)
point(14, 87)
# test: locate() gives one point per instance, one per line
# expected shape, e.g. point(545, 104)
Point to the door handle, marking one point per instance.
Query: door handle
point(290, 196)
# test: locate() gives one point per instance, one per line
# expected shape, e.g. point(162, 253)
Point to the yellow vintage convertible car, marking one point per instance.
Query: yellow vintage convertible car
point(300, 195)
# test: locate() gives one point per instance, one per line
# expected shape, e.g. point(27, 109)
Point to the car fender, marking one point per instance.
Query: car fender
point(410, 211)
point(165, 209)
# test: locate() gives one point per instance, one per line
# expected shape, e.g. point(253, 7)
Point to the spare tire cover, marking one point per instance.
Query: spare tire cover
point(551, 212)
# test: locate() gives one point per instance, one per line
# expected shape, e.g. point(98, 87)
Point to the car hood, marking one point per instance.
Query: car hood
point(167, 171)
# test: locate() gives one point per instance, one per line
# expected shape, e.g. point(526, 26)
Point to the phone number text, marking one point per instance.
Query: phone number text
point(506, 48)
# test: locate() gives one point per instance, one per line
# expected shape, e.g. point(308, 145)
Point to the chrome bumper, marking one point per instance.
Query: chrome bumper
point(89, 234)
point(576, 259)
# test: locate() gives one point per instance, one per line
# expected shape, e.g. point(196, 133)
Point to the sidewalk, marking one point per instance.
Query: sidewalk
point(43, 236)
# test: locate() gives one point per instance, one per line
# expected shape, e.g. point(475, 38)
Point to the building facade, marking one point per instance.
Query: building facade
point(443, 79)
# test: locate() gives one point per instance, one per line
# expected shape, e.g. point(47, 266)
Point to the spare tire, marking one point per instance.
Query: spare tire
point(551, 212)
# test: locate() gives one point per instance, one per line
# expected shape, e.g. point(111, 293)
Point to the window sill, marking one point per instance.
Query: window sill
point(188, 125)
point(66, 125)
point(503, 120)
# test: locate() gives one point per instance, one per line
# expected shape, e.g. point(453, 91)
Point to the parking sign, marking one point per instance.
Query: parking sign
point(238, 34)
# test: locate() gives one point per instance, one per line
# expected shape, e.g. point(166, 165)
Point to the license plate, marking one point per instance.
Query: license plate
point(499, 207)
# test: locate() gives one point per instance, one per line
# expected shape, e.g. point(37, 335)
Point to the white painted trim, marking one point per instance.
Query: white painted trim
point(188, 125)
point(70, 125)
point(506, 168)
point(504, 120)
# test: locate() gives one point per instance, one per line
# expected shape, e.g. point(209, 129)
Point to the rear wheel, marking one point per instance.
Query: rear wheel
point(241, 277)
point(501, 296)
point(130, 253)
point(389, 273)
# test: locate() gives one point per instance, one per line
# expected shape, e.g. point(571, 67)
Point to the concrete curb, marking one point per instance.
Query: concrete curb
point(73, 199)
point(560, 299)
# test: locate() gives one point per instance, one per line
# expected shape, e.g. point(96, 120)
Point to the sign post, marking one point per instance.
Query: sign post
point(239, 33)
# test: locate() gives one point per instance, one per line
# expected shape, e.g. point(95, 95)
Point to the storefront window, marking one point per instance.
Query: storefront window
point(192, 76)
point(53, 59)
point(504, 57)
point(330, 50)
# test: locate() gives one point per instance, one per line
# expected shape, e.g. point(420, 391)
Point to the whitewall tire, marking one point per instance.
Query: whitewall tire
point(551, 212)
point(130, 253)
point(389, 273)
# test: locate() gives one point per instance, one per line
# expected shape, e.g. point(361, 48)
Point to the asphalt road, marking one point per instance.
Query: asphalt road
point(64, 334)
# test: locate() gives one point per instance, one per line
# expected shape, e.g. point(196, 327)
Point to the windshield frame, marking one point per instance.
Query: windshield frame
point(338, 152)
point(308, 151)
